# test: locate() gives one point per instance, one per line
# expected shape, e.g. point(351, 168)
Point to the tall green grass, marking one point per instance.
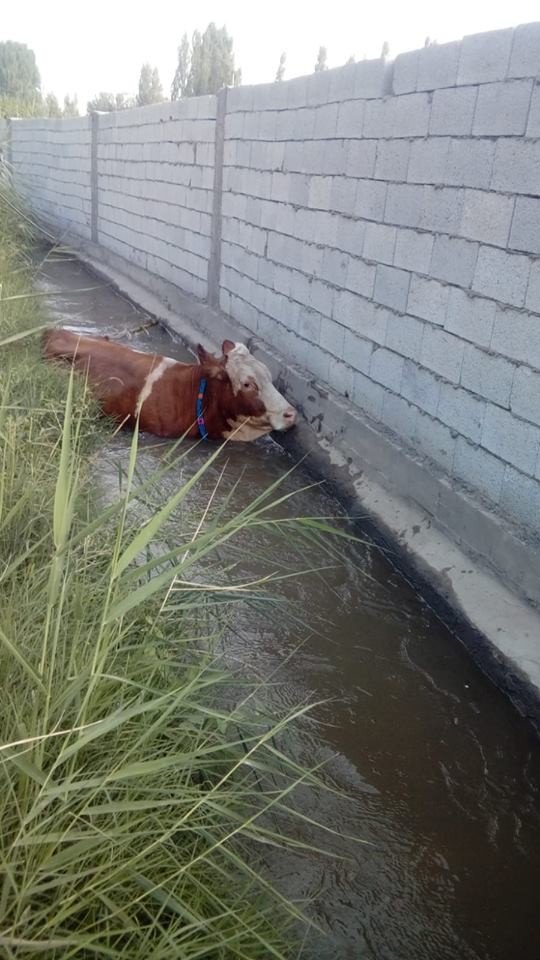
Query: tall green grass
point(131, 799)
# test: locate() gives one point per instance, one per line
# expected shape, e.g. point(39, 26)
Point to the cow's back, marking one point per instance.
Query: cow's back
point(129, 383)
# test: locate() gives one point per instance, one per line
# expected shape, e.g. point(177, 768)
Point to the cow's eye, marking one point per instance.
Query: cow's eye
point(247, 385)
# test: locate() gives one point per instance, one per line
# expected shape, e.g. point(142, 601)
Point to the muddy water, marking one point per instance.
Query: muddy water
point(439, 774)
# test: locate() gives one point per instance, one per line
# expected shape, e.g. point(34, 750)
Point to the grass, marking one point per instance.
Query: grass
point(131, 799)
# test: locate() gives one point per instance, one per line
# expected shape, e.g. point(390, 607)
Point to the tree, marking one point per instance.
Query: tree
point(181, 76)
point(321, 60)
point(52, 107)
point(71, 107)
point(150, 90)
point(19, 75)
point(385, 50)
point(280, 73)
point(206, 66)
point(107, 102)
point(351, 59)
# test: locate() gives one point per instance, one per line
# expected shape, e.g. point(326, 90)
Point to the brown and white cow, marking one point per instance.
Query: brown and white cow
point(238, 398)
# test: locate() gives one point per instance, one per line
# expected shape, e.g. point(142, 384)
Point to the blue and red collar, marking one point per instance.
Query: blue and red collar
point(200, 410)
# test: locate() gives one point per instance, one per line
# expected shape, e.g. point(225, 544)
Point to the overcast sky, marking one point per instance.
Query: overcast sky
point(101, 45)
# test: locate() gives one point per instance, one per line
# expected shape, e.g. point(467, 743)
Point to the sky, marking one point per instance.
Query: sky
point(85, 48)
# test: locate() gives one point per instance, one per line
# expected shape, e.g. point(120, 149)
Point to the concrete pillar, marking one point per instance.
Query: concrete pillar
point(214, 264)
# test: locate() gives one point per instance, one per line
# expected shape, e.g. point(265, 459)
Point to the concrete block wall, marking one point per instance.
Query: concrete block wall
point(51, 160)
point(155, 180)
point(381, 226)
point(378, 224)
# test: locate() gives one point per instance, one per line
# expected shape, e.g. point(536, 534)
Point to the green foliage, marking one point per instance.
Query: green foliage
point(71, 106)
point(207, 65)
point(132, 799)
point(321, 63)
point(150, 89)
point(107, 102)
point(52, 107)
point(280, 72)
point(19, 75)
point(15, 107)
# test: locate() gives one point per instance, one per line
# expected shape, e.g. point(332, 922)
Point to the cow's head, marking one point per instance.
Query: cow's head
point(254, 393)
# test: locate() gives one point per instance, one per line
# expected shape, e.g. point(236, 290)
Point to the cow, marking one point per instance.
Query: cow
point(227, 397)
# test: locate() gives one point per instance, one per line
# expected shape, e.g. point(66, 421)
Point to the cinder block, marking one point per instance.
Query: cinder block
point(392, 287)
point(370, 200)
point(371, 320)
point(471, 318)
point(326, 118)
point(331, 337)
point(478, 469)
point(379, 242)
point(438, 66)
point(515, 335)
point(408, 116)
point(502, 276)
point(413, 250)
point(404, 204)
point(516, 167)
point(404, 335)
point(369, 396)
point(525, 56)
point(308, 323)
point(343, 197)
point(435, 440)
point(342, 83)
point(357, 351)
point(525, 398)
point(377, 123)
point(427, 163)
point(520, 499)
point(360, 277)
point(533, 290)
point(452, 112)
point(441, 210)
point(454, 260)
point(334, 267)
point(461, 411)
point(350, 235)
point(360, 158)
point(428, 300)
point(369, 79)
point(386, 367)
point(442, 353)
point(321, 298)
point(485, 57)
point(486, 217)
point(392, 159)
point(405, 72)
point(334, 158)
point(347, 308)
point(525, 233)
point(320, 193)
point(350, 119)
point(341, 377)
point(533, 125)
point(487, 375)
point(511, 439)
point(502, 108)
point(400, 416)
point(298, 190)
point(470, 162)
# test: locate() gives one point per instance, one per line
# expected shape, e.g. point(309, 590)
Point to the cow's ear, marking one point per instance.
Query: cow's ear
point(227, 346)
point(203, 354)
